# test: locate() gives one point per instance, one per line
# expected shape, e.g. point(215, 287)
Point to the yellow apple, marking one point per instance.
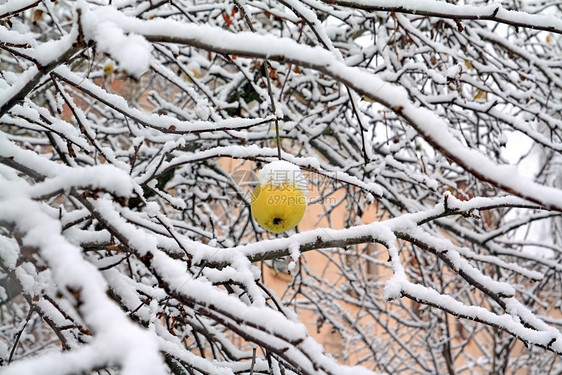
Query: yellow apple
point(278, 208)
point(279, 201)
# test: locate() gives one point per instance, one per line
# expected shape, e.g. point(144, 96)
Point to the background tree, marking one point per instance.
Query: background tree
point(126, 241)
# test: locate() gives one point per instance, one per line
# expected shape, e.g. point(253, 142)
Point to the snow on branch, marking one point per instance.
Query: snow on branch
point(132, 136)
point(435, 8)
point(16, 6)
point(431, 127)
point(81, 282)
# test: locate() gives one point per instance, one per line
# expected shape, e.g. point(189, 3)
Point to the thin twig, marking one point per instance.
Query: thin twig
point(267, 70)
point(16, 341)
point(253, 361)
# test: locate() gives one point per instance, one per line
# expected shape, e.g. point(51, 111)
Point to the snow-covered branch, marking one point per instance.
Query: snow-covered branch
point(435, 8)
point(131, 139)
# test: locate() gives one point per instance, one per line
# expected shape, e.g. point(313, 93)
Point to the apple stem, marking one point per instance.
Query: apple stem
point(267, 73)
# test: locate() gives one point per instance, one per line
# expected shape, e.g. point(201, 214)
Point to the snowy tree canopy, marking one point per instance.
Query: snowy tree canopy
point(129, 131)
